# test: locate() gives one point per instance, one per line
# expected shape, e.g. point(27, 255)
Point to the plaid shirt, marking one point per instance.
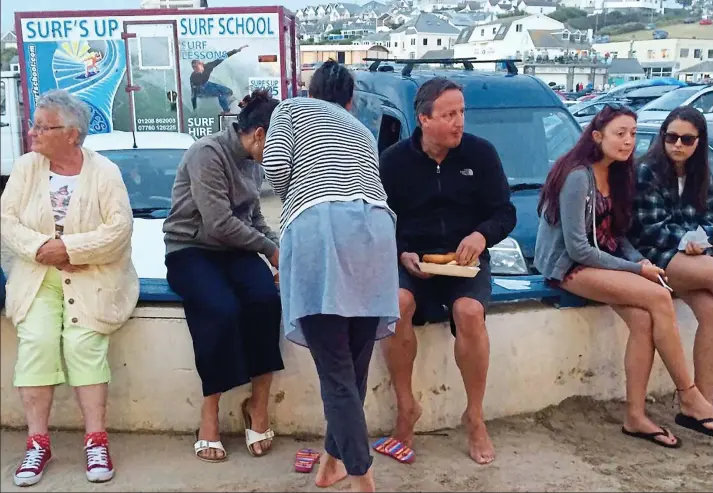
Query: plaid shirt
point(662, 217)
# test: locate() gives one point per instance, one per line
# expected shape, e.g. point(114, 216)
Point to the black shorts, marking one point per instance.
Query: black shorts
point(435, 296)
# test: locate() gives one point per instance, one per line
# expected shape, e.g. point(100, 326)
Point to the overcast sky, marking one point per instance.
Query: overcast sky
point(9, 7)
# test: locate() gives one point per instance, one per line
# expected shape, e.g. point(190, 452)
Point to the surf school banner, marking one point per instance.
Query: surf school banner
point(187, 69)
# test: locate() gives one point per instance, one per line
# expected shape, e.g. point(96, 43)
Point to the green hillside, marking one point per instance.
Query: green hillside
point(674, 31)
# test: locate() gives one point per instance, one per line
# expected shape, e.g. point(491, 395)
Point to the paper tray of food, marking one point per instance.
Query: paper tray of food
point(448, 270)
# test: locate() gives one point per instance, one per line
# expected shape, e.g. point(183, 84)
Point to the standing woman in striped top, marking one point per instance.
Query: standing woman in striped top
point(338, 266)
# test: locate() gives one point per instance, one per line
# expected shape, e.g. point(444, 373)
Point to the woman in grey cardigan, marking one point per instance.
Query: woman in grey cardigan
point(585, 212)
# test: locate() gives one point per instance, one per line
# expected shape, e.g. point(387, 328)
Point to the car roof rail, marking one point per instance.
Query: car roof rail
point(410, 63)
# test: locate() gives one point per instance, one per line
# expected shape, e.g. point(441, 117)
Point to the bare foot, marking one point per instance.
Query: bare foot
point(406, 422)
point(479, 443)
point(364, 483)
point(695, 405)
point(643, 424)
point(209, 429)
point(260, 422)
point(330, 472)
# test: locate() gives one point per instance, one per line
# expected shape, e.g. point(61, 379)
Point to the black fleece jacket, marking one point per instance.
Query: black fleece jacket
point(439, 205)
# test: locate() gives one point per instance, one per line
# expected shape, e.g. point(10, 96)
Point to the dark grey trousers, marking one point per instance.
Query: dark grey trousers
point(341, 348)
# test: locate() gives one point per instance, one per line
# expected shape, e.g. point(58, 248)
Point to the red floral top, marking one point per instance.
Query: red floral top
point(605, 237)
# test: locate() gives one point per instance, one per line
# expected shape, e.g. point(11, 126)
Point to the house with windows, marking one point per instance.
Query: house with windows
point(599, 6)
point(661, 57)
point(375, 39)
point(506, 37)
point(462, 20)
point(700, 72)
point(434, 5)
point(330, 11)
point(8, 40)
point(424, 33)
point(552, 44)
point(499, 7)
point(471, 7)
point(536, 6)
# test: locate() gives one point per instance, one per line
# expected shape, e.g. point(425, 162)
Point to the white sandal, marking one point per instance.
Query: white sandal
point(203, 445)
point(252, 437)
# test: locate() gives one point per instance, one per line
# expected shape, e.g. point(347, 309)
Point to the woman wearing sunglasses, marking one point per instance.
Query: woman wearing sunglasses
point(585, 212)
point(675, 196)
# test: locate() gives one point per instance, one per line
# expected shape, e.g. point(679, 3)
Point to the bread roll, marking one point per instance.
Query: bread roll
point(434, 258)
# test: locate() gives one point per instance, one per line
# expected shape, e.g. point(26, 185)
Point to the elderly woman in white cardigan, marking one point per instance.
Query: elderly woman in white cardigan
point(66, 216)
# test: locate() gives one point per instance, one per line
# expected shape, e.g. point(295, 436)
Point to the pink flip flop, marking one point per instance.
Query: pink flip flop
point(394, 448)
point(305, 460)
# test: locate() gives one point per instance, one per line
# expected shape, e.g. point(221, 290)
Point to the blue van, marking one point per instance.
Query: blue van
point(519, 114)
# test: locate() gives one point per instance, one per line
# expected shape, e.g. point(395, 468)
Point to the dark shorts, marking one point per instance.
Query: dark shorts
point(554, 283)
point(435, 296)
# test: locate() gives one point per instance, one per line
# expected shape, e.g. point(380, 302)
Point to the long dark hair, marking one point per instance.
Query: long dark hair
point(585, 153)
point(698, 174)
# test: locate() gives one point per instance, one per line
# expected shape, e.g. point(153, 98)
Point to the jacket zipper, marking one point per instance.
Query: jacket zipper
point(440, 191)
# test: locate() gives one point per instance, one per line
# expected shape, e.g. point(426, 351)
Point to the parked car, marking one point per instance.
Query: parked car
point(700, 97)
point(706, 22)
point(660, 34)
point(149, 171)
point(585, 111)
point(526, 122)
point(639, 98)
point(623, 90)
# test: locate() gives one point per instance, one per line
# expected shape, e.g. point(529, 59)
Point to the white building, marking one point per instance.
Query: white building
point(331, 11)
point(8, 40)
point(499, 6)
point(661, 57)
point(536, 6)
point(431, 5)
point(598, 6)
point(171, 4)
point(507, 37)
point(425, 33)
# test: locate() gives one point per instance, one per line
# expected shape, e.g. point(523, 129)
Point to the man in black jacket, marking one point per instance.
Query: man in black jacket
point(450, 194)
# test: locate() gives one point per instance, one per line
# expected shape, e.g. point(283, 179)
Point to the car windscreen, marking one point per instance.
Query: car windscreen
point(643, 142)
point(528, 140)
point(671, 100)
point(148, 174)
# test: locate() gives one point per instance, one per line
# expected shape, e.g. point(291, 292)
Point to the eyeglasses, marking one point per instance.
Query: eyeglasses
point(40, 129)
point(687, 140)
point(615, 106)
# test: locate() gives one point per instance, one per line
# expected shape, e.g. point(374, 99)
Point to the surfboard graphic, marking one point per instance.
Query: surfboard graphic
point(92, 73)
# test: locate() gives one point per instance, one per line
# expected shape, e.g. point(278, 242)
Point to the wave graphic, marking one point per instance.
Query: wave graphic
point(96, 84)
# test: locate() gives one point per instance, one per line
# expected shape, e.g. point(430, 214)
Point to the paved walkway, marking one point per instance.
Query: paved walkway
point(576, 446)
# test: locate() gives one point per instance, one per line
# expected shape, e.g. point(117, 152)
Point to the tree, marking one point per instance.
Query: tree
point(563, 14)
point(514, 13)
point(7, 54)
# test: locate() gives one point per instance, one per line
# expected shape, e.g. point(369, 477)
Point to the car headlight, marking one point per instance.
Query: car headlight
point(506, 258)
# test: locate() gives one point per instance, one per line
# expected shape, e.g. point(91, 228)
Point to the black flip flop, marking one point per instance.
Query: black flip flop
point(651, 437)
point(694, 424)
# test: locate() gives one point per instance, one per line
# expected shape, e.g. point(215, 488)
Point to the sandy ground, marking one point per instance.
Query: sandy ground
point(576, 446)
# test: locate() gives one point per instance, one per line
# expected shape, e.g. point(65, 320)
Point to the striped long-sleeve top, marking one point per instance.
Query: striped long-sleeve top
point(317, 152)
